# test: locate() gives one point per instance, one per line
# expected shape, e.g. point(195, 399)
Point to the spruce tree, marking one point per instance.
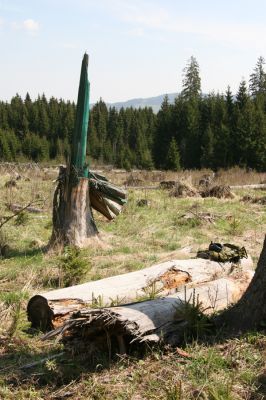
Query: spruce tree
point(164, 132)
point(207, 148)
point(191, 80)
point(172, 161)
point(244, 126)
point(257, 81)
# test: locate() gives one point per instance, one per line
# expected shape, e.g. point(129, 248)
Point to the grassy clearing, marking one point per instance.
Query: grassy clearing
point(219, 369)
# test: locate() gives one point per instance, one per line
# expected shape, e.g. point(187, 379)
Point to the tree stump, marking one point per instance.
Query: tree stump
point(73, 222)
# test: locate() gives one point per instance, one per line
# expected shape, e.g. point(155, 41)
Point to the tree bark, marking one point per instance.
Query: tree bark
point(49, 310)
point(73, 223)
point(250, 312)
point(149, 321)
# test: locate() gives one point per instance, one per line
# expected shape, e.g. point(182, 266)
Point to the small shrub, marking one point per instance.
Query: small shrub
point(151, 292)
point(235, 227)
point(192, 313)
point(187, 221)
point(174, 392)
point(72, 267)
point(12, 301)
point(97, 302)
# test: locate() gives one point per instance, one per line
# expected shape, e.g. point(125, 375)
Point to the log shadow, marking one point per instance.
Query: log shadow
point(53, 371)
point(13, 253)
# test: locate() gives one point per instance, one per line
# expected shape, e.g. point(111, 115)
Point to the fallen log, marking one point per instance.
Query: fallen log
point(256, 186)
point(115, 329)
point(49, 310)
point(17, 207)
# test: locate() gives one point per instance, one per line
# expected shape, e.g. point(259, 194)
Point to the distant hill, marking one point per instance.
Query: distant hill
point(153, 102)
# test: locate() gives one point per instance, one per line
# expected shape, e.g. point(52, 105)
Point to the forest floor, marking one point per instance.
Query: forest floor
point(219, 368)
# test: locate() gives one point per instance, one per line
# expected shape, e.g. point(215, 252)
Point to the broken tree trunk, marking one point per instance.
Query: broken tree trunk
point(91, 330)
point(49, 310)
point(250, 311)
point(73, 222)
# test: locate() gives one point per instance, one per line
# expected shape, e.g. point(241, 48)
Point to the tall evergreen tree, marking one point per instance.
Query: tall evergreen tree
point(191, 80)
point(257, 81)
point(172, 161)
point(207, 149)
point(164, 132)
point(244, 125)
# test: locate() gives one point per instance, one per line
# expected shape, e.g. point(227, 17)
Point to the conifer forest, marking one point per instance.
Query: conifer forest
point(215, 130)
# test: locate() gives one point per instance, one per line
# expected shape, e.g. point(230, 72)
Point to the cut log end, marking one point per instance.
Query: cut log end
point(39, 313)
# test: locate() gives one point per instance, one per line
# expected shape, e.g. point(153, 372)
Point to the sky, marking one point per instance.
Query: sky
point(137, 48)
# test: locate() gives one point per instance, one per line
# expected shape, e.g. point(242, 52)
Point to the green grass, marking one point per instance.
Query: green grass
point(141, 236)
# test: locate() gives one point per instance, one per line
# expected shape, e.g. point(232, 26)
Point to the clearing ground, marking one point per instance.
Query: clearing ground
point(159, 229)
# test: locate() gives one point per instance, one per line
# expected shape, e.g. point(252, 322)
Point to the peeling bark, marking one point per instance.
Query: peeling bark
point(49, 310)
point(150, 321)
point(73, 223)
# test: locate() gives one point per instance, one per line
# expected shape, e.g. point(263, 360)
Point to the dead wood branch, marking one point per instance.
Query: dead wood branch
point(5, 220)
point(18, 207)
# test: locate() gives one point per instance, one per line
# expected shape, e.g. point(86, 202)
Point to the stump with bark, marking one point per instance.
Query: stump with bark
point(73, 222)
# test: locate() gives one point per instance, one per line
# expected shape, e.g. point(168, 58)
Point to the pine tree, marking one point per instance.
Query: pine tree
point(242, 95)
point(43, 126)
point(4, 116)
point(172, 161)
point(191, 95)
point(244, 126)
point(5, 153)
point(164, 132)
point(257, 149)
point(221, 133)
point(191, 80)
point(257, 81)
point(191, 146)
point(207, 148)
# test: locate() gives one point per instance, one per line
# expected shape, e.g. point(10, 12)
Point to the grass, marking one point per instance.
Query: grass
point(220, 368)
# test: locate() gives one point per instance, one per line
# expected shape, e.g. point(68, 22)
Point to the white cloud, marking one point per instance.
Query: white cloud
point(143, 15)
point(30, 25)
point(70, 45)
point(15, 26)
point(139, 32)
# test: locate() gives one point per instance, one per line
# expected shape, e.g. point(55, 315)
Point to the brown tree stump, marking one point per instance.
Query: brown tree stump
point(73, 222)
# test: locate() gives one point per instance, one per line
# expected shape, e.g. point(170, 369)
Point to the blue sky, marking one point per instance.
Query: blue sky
point(137, 48)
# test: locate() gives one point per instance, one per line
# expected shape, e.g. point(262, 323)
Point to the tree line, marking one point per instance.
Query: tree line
point(197, 131)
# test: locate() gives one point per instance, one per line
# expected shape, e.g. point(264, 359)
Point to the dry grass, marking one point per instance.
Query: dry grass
point(139, 237)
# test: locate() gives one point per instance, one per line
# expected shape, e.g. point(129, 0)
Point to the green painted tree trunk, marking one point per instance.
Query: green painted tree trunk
point(79, 143)
point(73, 222)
